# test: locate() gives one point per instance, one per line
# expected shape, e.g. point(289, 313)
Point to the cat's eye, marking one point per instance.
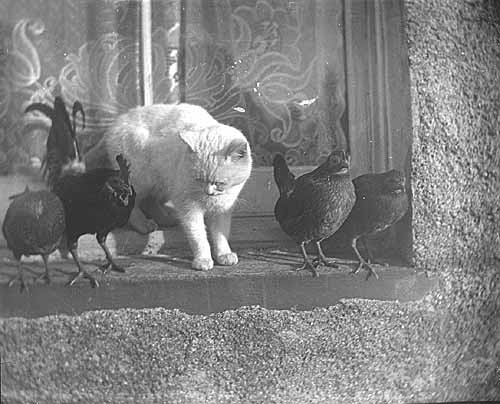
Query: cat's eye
point(219, 184)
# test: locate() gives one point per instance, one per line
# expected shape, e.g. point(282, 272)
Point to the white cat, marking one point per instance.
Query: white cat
point(180, 153)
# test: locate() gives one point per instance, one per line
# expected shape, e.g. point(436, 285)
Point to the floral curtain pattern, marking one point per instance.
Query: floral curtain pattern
point(84, 50)
point(272, 68)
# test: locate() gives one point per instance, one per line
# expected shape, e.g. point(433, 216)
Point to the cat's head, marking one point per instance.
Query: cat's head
point(221, 159)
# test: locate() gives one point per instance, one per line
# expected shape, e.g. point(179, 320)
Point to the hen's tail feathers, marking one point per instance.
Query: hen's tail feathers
point(63, 153)
point(124, 167)
point(77, 107)
point(38, 106)
point(284, 179)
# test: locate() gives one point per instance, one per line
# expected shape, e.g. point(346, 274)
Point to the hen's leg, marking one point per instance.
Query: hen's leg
point(45, 277)
point(322, 257)
point(362, 261)
point(19, 277)
point(82, 273)
point(371, 259)
point(308, 264)
point(101, 239)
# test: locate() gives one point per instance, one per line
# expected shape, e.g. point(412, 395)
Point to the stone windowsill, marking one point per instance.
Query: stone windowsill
point(264, 277)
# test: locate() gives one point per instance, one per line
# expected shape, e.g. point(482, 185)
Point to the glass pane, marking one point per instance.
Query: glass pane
point(274, 69)
point(165, 43)
point(86, 50)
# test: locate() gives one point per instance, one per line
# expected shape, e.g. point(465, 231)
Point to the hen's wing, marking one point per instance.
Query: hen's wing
point(295, 212)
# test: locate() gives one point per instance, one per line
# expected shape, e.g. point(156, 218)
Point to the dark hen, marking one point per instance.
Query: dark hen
point(33, 225)
point(314, 206)
point(95, 201)
point(381, 201)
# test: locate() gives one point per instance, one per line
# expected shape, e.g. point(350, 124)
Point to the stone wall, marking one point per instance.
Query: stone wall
point(454, 51)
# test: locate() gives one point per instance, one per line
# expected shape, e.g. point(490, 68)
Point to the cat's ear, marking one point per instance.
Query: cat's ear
point(190, 138)
point(237, 150)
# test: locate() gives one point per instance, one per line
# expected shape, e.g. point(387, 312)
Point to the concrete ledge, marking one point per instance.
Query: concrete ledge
point(263, 277)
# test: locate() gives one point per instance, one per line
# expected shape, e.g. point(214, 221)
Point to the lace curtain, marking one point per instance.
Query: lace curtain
point(272, 68)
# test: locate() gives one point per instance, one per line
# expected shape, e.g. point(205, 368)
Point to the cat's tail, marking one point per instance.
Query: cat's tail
point(62, 154)
point(285, 180)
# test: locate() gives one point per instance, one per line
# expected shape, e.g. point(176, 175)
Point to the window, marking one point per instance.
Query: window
point(297, 77)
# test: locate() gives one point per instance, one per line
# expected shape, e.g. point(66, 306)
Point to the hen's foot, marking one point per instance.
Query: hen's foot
point(365, 264)
point(322, 258)
point(45, 278)
point(310, 266)
point(377, 262)
point(83, 274)
point(325, 261)
point(23, 285)
point(104, 267)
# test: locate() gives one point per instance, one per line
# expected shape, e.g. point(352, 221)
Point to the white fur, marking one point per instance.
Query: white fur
point(168, 148)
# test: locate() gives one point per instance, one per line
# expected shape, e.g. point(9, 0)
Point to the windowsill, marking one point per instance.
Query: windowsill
point(264, 277)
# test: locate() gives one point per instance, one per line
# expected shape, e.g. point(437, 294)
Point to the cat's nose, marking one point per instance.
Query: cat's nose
point(211, 189)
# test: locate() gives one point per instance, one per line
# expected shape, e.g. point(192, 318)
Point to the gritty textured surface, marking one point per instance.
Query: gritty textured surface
point(357, 351)
point(446, 348)
point(454, 51)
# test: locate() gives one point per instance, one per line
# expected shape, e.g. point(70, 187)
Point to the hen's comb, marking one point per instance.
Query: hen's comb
point(124, 167)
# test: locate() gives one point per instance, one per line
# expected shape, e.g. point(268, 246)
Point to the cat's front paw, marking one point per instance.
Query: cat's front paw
point(227, 259)
point(202, 264)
